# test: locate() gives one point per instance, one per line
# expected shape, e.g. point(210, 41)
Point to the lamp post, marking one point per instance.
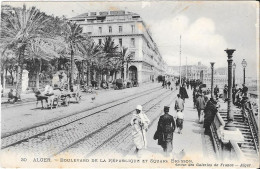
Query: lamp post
point(230, 116)
point(212, 72)
point(244, 64)
point(234, 76)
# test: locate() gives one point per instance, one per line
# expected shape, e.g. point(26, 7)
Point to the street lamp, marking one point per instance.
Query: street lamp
point(244, 64)
point(212, 72)
point(230, 116)
point(234, 78)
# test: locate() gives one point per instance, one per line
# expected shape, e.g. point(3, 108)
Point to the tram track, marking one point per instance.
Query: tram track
point(36, 135)
point(125, 127)
point(78, 112)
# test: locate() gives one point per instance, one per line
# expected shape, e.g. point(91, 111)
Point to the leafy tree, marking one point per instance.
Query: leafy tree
point(74, 41)
point(125, 59)
point(110, 50)
point(19, 30)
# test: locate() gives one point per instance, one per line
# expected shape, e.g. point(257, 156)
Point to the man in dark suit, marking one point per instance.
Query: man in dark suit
point(244, 90)
point(165, 129)
point(216, 91)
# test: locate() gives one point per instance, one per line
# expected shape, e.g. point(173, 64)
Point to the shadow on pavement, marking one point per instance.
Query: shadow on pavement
point(200, 131)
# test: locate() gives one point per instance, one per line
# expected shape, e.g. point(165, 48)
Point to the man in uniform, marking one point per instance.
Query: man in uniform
point(165, 129)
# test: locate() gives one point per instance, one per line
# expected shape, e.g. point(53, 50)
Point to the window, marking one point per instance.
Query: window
point(100, 30)
point(120, 29)
point(133, 28)
point(120, 42)
point(132, 54)
point(110, 29)
point(132, 42)
point(99, 41)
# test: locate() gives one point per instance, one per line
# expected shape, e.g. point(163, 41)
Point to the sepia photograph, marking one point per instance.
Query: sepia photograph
point(129, 84)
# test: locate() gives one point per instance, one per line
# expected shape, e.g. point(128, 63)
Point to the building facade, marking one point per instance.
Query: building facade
point(128, 30)
point(203, 73)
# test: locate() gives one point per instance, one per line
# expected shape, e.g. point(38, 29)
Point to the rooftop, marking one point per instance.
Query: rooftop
point(105, 13)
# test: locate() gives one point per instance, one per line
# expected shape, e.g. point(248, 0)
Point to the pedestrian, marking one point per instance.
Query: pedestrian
point(163, 83)
point(244, 90)
point(238, 98)
point(216, 91)
point(179, 103)
point(188, 84)
point(165, 129)
point(200, 104)
point(194, 94)
point(139, 123)
point(234, 91)
point(11, 97)
point(225, 93)
point(179, 120)
point(176, 84)
point(183, 93)
point(169, 84)
point(210, 112)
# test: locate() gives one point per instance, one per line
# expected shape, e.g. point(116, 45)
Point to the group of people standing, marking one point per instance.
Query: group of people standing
point(166, 84)
point(206, 108)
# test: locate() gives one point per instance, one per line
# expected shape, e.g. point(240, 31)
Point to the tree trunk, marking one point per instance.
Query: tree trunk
point(37, 80)
point(4, 79)
point(82, 72)
point(88, 73)
point(115, 74)
point(20, 73)
point(98, 78)
point(125, 77)
point(127, 70)
point(72, 67)
point(12, 77)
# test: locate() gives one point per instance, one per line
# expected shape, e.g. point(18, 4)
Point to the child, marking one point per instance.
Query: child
point(179, 121)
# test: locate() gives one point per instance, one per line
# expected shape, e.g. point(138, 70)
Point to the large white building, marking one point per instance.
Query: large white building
point(128, 30)
point(203, 73)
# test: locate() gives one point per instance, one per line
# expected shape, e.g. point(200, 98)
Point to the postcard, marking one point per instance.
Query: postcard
point(129, 84)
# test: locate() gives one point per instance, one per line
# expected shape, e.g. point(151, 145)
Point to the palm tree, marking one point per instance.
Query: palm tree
point(125, 59)
point(74, 43)
point(19, 30)
point(91, 53)
point(111, 52)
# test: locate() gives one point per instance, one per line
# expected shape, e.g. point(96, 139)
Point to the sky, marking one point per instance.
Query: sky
point(206, 28)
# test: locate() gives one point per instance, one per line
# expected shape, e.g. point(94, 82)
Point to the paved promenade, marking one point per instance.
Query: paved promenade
point(192, 141)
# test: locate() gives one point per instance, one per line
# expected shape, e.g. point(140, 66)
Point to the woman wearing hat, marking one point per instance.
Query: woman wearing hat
point(139, 123)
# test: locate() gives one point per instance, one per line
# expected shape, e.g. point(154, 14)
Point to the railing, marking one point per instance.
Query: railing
point(253, 126)
point(215, 127)
point(231, 149)
point(223, 150)
point(236, 151)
